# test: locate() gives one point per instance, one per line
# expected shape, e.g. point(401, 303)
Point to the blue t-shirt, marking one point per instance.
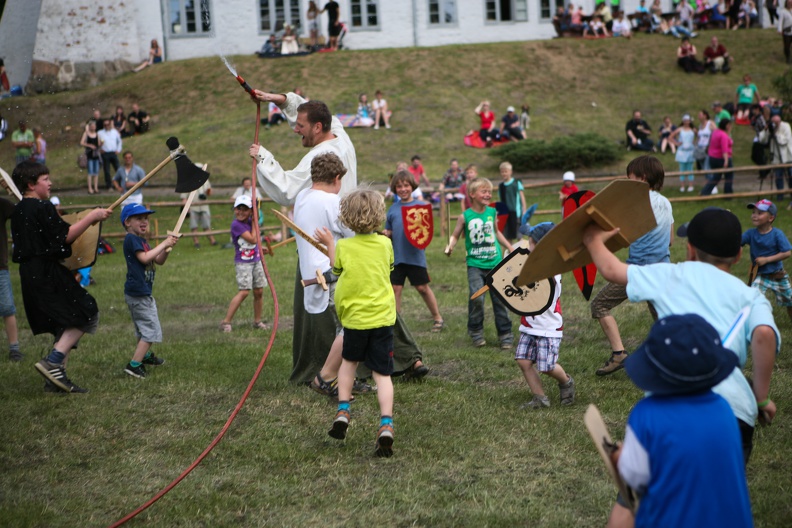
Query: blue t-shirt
point(653, 247)
point(244, 251)
point(717, 296)
point(766, 245)
point(140, 278)
point(691, 446)
point(403, 251)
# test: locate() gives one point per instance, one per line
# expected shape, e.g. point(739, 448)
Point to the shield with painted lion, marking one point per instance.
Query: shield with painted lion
point(418, 224)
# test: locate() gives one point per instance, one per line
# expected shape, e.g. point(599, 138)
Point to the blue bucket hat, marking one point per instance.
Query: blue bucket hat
point(682, 355)
point(133, 210)
point(538, 231)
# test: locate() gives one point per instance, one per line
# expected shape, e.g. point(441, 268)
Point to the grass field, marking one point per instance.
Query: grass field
point(465, 454)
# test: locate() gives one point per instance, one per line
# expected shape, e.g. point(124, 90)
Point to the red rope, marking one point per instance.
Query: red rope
point(242, 400)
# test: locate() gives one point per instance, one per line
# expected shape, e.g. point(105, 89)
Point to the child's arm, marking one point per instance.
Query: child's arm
point(611, 268)
point(761, 261)
point(387, 232)
point(460, 226)
point(79, 227)
point(503, 240)
point(524, 206)
point(763, 352)
point(158, 255)
point(325, 236)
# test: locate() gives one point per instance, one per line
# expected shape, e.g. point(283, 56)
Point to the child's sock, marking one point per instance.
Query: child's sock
point(343, 406)
point(148, 355)
point(386, 420)
point(135, 364)
point(13, 347)
point(55, 357)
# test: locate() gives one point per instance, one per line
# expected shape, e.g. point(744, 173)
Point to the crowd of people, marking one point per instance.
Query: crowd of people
point(511, 127)
point(286, 41)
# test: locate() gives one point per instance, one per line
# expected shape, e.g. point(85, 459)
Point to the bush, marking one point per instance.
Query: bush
point(562, 153)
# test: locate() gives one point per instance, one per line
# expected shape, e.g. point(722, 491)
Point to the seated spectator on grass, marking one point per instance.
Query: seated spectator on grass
point(638, 132)
point(274, 116)
point(666, 129)
point(596, 28)
point(603, 10)
point(621, 26)
point(748, 15)
point(657, 16)
point(732, 13)
point(719, 13)
point(744, 98)
point(270, 47)
point(364, 112)
point(575, 20)
point(138, 120)
point(716, 58)
point(561, 20)
point(686, 57)
point(120, 121)
point(154, 56)
point(510, 126)
point(674, 28)
point(685, 12)
point(641, 17)
point(453, 179)
point(289, 44)
point(487, 130)
point(381, 112)
point(703, 13)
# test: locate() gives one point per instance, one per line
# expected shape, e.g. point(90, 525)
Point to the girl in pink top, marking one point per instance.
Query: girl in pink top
point(487, 131)
point(720, 156)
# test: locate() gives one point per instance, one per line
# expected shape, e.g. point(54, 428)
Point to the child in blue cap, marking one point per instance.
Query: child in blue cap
point(141, 260)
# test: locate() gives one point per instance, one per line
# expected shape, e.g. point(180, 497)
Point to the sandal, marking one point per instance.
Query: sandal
point(437, 326)
point(225, 327)
point(260, 325)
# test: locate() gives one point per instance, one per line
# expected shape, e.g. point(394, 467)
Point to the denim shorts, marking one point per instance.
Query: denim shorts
point(7, 307)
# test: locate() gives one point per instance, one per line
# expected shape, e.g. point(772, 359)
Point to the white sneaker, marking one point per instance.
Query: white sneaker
point(682, 189)
point(387, 126)
point(690, 189)
point(714, 190)
point(376, 127)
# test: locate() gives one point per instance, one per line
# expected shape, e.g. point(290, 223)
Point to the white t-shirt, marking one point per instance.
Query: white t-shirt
point(549, 323)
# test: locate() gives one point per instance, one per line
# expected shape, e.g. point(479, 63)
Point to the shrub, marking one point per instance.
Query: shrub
point(562, 153)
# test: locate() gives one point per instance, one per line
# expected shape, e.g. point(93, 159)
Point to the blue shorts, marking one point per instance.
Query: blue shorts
point(7, 307)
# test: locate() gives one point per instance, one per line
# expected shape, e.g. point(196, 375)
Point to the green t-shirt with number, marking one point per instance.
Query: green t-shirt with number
point(481, 242)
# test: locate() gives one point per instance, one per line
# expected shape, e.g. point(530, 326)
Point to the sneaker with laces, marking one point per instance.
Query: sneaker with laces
point(567, 391)
point(153, 360)
point(56, 375)
point(537, 402)
point(340, 425)
point(362, 387)
point(138, 372)
point(690, 188)
point(384, 446)
point(15, 355)
point(479, 342)
point(49, 387)
point(616, 362)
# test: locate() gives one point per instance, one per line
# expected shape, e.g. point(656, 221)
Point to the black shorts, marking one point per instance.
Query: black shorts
point(374, 347)
point(510, 231)
point(418, 275)
point(334, 30)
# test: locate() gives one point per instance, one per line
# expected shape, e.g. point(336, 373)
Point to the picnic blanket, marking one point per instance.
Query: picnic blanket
point(472, 139)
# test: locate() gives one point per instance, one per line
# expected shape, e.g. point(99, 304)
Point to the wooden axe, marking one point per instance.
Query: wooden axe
point(308, 238)
point(320, 280)
point(185, 211)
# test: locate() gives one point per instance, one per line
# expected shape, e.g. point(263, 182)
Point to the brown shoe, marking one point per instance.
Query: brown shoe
point(616, 362)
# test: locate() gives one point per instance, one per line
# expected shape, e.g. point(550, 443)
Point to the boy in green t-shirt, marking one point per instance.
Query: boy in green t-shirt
point(483, 253)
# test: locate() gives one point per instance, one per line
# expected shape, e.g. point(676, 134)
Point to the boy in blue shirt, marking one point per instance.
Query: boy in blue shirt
point(140, 259)
point(769, 246)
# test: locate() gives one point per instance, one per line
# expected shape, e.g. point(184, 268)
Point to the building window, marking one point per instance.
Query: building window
point(364, 14)
point(506, 10)
point(190, 18)
point(442, 12)
point(548, 8)
point(273, 14)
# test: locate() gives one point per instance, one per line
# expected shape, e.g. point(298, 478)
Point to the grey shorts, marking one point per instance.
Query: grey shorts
point(250, 275)
point(202, 219)
point(145, 318)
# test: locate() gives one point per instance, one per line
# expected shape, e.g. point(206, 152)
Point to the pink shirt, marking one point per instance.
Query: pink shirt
point(720, 144)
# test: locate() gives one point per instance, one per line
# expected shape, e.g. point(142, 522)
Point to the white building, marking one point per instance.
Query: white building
point(61, 43)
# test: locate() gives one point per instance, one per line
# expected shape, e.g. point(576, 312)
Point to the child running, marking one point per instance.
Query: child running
point(769, 247)
point(54, 302)
point(540, 339)
point(483, 253)
point(141, 260)
point(366, 307)
point(247, 261)
point(409, 261)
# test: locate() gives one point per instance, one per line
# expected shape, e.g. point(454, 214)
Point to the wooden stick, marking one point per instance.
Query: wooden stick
point(185, 210)
point(139, 184)
point(302, 234)
point(283, 243)
point(320, 280)
point(479, 293)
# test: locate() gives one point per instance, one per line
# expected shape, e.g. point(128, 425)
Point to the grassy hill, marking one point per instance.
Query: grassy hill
point(432, 92)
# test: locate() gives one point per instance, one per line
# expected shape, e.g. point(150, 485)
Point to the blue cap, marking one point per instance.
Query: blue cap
point(765, 205)
point(133, 210)
point(538, 231)
point(683, 354)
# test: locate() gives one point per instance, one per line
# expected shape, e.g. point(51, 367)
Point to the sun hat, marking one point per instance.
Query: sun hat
point(569, 176)
point(133, 209)
point(243, 200)
point(765, 205)
point(683, 354)
point(715, 231)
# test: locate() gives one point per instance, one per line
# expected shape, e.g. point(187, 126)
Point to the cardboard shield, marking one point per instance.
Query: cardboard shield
point(623, 203)
point(586, 275)
point(528, 300)
point(418, 224)
point(9, 184)
point(84, 248)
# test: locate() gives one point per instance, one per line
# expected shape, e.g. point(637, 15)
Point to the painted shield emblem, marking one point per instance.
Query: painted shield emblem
point(529, 300)
point(418, 224)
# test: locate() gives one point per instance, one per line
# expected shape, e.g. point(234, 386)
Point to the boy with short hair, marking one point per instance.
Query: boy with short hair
point(479, 224)
point(681, 451)
point(366, 307)
point(54, 302)
point(510, 192)
point(651, 248)
point(769, 247)
point(540, 339)
point(141, 259)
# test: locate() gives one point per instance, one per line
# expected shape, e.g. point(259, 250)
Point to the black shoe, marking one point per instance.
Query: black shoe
point(138, 372)
point(153, 360)
point(340, 425)
point(15, 355)
point(56, 375)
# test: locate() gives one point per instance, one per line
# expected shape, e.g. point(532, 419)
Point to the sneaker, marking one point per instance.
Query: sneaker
point(138, 372)
point(15, 355)
point(387, 126)
point(260, 325)
point(376, 127)
point(612, 365)
point(340, 425)
point(479, 342)
point(567, 391)
point(56, 375)
point(537, 402)
point(153, 360)
point(361, 387)
point(690, 189)
point(682, 189)
point(49, 387)
point(714, 190)
point(384, 445)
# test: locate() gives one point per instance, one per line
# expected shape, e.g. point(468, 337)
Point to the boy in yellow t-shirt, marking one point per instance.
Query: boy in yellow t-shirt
point(366, 307)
